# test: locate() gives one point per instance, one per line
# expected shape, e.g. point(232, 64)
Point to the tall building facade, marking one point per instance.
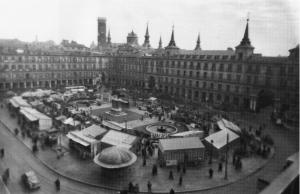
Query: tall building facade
point(237, 77)
point(20, 71)
point(101, 32)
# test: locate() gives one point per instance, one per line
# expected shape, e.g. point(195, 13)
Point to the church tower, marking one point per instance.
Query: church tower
point(160, 43)
point(147, 39)
point(101, 32)
point(245, 49)
point(108, 38)
point(198, 47)
point(172, 48)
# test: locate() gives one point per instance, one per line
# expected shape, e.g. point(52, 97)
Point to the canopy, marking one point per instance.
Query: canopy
point(31, 114)
point(152, 98)
point(18, 101)
point(117, 138)
point(112, 125)
point(220, 138)
point(71, 121)
point(225, 124)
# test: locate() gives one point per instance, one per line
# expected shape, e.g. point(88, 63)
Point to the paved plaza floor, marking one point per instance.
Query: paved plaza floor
point(196, 178)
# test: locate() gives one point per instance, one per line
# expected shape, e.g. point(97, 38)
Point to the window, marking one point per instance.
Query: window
point(237, 89)
point(212, 75)
point(184, 73)
point(204, 84)
point(257, 69)
point(205, 66)
point(249, 69)
point(219, 86)
point(197, 74)
point(228, 88)
point(198, 66)
point(190, 83)
point(229, 77)
point(220, 76)
point(212, 86)
point(197, 84)
point(183, 82)
point(238, 78)
point(248, 79)
point(255, 79)
point(221, 67)
point(191, 73)
point(178, 72)
point(229, 68)
point(205, 75)
point(213, 67)
point(239, 68)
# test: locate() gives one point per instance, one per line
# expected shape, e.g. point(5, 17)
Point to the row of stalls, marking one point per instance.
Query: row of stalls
point(190, 146)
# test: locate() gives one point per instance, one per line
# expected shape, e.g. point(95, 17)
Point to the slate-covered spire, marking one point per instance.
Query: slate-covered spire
point(147, 38)
point(246, 41)
point(108, 37)
point(198, 47)
point(172, 41)
point(160, 43)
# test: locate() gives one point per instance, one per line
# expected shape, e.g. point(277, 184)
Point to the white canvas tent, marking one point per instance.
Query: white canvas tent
point(220, 138)
point(45, 122)
point(116, 138)
point(18, 101)
point(225, 124)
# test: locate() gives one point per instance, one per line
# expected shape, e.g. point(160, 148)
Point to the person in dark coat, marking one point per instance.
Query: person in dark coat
point(149, 185)
point(130, 187)
point(220, 167)
point(171, 177)
point(180, 180)
point(211, 172)
point(172, 191)
point(57, 184)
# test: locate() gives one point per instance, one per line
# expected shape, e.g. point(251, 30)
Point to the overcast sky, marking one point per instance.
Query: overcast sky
point(274, 24)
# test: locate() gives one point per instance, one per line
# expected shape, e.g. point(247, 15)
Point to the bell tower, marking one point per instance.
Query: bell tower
point(245, 49)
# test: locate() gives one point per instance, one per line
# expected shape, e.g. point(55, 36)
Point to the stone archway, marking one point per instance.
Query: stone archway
point(265, 98)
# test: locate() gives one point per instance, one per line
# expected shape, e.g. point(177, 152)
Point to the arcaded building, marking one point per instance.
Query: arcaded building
point(237, 77)
point(49, 69)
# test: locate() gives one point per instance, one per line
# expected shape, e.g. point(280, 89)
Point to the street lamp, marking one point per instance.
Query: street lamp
point(211, 151)
point(226, 161)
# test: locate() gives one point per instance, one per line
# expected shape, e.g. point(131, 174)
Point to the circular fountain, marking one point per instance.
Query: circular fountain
point(161, 130)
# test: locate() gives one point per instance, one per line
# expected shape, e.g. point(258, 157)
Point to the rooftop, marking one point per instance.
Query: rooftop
point(180, 143)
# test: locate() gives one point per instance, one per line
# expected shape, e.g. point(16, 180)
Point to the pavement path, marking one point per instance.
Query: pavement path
point(20, 159)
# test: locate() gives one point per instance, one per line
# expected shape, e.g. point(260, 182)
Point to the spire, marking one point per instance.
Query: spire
point(198, 47)
point(108, 37)
point(172, 41)
point(147, 41)
point(160, 43)
point(246, 41)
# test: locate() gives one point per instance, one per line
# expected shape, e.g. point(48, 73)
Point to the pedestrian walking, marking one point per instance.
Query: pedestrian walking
point(172, 191)
point(180, 180)
point(211, 172)
point(171, 177)
point(184, 169)
point(57, 184)
point(130, 187)
point(149, 185)
point(178, 168)
point(220, 167)
point(137, 188)
point(16, 131)
point(2, 152)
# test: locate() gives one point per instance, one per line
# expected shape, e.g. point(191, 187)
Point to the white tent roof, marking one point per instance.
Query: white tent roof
point(180, 143)
point(71, 121)
point(152, 98)
point(117, 138)
point(18, 101)
point(220, 138)
point(93, 131)
point(112, 125)
point(31, 113)
point(188, 133)
point(225, 124)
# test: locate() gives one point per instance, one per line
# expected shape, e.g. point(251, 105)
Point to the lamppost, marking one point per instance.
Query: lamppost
point(211, 151)
point(226, 158)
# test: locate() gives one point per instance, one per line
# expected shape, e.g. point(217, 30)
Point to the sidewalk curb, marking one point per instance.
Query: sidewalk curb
point(144, 192)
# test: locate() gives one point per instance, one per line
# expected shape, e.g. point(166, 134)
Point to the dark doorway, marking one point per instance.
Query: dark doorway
point(151, 82)
point(265, 98)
